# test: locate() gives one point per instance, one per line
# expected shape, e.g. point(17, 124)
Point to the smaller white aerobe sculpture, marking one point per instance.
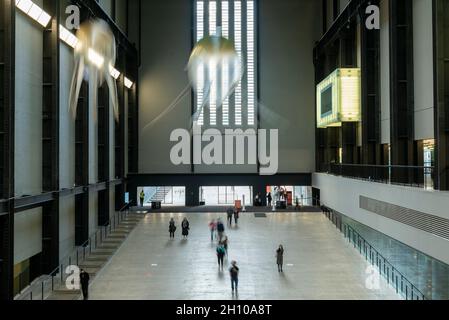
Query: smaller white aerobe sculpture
point(95, 57)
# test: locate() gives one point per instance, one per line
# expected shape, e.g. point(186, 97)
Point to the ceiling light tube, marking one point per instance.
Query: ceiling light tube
point(128, 83)
point(114, 72)
point(34, 11)
point(95, 58)
point(66, 36)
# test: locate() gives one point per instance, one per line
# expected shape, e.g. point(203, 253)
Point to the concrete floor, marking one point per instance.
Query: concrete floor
point(319, 263)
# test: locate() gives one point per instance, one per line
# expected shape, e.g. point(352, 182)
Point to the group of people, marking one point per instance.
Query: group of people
point(217, 231)
point(185, 225)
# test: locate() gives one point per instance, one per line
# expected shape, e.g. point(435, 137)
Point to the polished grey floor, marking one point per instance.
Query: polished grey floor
point(319, 263)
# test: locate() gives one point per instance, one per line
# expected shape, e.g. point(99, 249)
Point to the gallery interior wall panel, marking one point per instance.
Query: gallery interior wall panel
point(27, 234)
point(28, 106)
point(385, 71)
point(423, 69)
point(66, 122)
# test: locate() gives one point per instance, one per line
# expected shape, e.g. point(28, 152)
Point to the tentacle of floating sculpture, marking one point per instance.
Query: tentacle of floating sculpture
point(212, 52)
point(94, 57)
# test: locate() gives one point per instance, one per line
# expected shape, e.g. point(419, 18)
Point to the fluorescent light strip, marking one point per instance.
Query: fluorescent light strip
point(114, 72)
point(95, 58)
point(66, 36)
point(200, 75)
point(34, 12)
point(238, 47)
point(128, 83)
point(251, 63)
point(212, 66)
point(225, 71)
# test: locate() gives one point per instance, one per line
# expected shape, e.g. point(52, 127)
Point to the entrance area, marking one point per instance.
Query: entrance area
point(225, 196)
point(291, 194)
point(167, 196)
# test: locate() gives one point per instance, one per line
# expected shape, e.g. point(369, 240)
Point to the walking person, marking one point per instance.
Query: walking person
point(220, 229)
point(172, 228)
point(270, 199)
point(220, 255)
point(225, 242)
point(280, 258)
point(213, 229)
point(185, 228)
point(236, 216)
point(230, 212)
point(142, 198)
point(234, 272)
point(84, 280)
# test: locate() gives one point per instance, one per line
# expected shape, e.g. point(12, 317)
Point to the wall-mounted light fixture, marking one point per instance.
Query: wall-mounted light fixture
point(34, 11)
point(95, 58)
point(69, 38)
point(128, 83)
point(114, 72)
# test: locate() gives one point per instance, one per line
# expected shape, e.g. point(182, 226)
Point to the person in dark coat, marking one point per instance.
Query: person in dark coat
point(230, 212)
point(270, 199)
point(220, 255)
point(185, 228)
point(220, 230)
point(234, 273)
point(280, 258)
point(236, 216)
point(172, 228)
point(84, 281)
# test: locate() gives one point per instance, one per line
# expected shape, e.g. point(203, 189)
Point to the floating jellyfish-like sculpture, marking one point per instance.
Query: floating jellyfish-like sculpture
point(94, 55)
point(215, 70)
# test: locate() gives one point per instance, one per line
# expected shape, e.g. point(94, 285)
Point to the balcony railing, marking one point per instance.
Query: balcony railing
point(413, 176)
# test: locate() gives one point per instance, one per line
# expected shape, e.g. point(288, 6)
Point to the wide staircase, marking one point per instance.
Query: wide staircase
point(91, 257)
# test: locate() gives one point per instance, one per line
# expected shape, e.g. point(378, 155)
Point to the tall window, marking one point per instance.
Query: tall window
point(236, 20)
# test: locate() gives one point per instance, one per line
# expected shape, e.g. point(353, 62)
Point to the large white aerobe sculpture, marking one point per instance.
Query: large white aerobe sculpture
point(95, 56)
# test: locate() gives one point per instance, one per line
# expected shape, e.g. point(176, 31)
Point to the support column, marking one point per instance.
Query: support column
point(402, 88)
point(50, 139)
point(441, 58)
point(103, 154)
point(7, 140)
point(370, 46)
point(120, 132)
point(82, 166)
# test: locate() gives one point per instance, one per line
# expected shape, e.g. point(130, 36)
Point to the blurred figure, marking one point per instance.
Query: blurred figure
point(280, 258)
point(213, 229)
point(236, 216)
point(224, 242)
point(185, 228)
point(172, 228)
point(234, 273)
point(84, 280)
point(220, 229)
point(230, 212)
point(220, 255)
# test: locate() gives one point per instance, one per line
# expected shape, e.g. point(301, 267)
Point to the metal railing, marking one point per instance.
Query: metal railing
point(44, 286)
point(413, 176)
point(394, 278)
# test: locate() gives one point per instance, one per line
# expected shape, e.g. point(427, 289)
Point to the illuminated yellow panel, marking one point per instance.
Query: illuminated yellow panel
point(338, 98)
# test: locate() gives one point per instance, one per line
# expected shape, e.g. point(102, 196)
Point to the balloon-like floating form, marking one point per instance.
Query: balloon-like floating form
point(94, 55)
point(214, 67)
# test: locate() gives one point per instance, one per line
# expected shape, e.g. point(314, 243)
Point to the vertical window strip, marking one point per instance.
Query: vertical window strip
point(251, 63)
point(200, 75)
point(213, 67)
point(238, 47)
point(225, 71)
